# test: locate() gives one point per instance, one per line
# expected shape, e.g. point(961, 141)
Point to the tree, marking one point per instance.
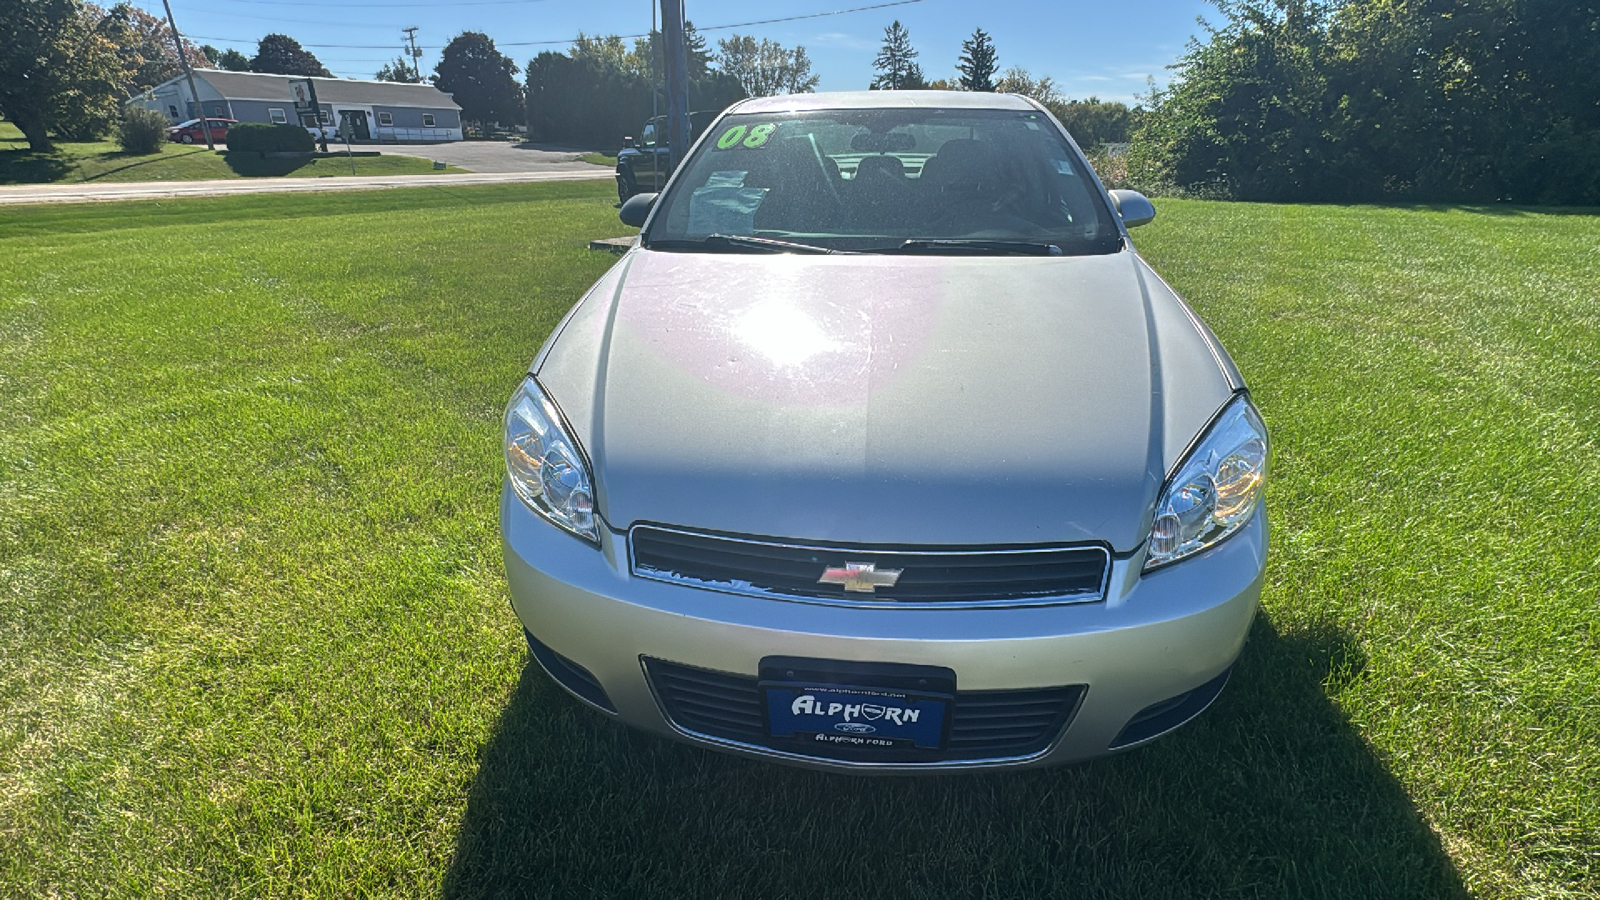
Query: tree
point(591, 97)
point(211, 54)
point(144, 45)
point(1093, 122)
point(399, 69)
point(767, 68)
point(646, 57)
point(58, 72)
point(1375, 99)
point(978, 62)
point(608, 51)
point(480, 78)
point(696, 49)
point(1254, 113)
point(234, 61)
point(279, 54)
point(896, 62)
point(1018, 80)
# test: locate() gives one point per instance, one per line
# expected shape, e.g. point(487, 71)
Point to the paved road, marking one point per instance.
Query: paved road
point(489, 156)
point(146, 190)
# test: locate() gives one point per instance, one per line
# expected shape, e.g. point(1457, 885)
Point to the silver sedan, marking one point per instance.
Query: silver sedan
point(884, 450)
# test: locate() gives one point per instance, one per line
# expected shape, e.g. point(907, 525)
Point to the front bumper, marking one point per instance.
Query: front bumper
point(1171, 635)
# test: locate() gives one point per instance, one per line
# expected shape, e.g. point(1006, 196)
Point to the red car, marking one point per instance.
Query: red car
point(189, 132)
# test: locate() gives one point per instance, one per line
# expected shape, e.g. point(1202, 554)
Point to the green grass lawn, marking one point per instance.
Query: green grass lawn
point(104, 161)
point(254, 638)
point(600, 159)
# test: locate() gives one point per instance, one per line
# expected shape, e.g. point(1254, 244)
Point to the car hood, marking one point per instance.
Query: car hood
point(885, 399)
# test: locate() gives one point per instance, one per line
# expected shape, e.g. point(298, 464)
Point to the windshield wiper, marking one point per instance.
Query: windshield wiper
point(985, 247)
point(742, 241)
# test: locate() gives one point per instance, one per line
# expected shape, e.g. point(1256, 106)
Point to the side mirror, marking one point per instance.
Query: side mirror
point(637, 209)
point(627, 142)
point(1134, 207)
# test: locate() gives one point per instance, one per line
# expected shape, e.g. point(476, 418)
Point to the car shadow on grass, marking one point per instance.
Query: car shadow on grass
point(1271, 793)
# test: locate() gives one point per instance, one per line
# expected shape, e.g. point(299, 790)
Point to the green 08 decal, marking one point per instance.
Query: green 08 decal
point(753, 137)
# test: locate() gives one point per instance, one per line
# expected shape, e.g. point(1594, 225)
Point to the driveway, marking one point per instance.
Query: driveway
point(491, 156)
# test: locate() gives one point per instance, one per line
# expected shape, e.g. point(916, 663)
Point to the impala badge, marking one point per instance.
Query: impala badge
point(861, 578)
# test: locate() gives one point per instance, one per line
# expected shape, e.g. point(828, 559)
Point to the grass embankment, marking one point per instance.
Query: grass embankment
point(253, 626)
point(600, 159)
point(104, 161)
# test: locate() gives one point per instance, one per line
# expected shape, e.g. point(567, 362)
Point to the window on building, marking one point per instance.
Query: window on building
point(216, 110)
point(427, 120)
point(325, 117)
point(277, 116)
point(385, 118)
point(172, 111)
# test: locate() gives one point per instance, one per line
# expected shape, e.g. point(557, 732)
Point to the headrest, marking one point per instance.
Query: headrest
point(881, 166)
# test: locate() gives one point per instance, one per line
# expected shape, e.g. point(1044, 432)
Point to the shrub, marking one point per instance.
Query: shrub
point(263, 138)
point(142, 130)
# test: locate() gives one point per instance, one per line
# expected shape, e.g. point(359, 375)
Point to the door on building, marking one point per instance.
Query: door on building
point(356, 121)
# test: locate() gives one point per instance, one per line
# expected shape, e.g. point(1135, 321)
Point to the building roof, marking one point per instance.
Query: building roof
point(258, 86)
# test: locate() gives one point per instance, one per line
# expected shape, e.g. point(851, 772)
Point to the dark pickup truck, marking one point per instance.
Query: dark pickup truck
point(644, 164)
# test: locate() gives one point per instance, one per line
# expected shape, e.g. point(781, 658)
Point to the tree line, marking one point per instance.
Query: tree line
point(67, 66)
point(1361, 100)
point(601, 89)
point(1326, 100)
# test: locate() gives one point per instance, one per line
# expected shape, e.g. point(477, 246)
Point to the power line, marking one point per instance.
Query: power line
point(837, 12)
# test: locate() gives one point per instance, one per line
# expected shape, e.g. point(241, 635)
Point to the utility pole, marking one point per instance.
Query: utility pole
point(657, 66)
point(183, 60)
point(677, 52)
point(416, 55)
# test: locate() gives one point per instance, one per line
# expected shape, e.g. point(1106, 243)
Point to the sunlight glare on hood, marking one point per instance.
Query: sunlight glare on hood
point(781, 333)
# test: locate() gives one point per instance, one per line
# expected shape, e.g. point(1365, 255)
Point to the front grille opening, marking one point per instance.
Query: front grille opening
point(983, 725)
point(569, 674)
point(1159, 718)
point(935, 576)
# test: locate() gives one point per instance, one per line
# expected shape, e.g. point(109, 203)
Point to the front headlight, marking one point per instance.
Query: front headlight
point(1215, 491)
point(544, 465)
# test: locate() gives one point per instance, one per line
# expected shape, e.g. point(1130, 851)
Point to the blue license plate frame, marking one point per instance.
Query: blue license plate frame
point(857, 708)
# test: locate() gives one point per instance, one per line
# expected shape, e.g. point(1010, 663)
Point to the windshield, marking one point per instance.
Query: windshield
point(955, 180)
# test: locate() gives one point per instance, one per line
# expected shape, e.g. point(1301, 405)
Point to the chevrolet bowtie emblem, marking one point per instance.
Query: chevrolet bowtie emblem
point(862, 578)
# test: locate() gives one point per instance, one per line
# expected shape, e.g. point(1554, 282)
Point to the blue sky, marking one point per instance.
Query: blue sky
point(1107, 49)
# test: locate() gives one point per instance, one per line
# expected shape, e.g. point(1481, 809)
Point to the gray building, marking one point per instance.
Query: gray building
point(372, 111)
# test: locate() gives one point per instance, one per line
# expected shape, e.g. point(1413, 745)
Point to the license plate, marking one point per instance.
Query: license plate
point(853, 709)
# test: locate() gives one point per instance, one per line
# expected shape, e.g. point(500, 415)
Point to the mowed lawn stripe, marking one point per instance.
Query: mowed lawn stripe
point(253, 634)
point(1428, 377)
point(258, 457)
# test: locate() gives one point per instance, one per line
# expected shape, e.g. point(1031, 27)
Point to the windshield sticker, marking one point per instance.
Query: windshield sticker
point(724, 205)
point(752, 138)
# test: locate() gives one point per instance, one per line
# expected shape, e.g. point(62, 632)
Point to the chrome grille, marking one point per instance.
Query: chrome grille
point(931, 576)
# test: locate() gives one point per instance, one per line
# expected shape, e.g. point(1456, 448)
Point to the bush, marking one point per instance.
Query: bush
point(263, 138)
point(142, 131)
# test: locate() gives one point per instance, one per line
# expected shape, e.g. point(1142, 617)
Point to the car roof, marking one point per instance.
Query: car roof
point(885, 100)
